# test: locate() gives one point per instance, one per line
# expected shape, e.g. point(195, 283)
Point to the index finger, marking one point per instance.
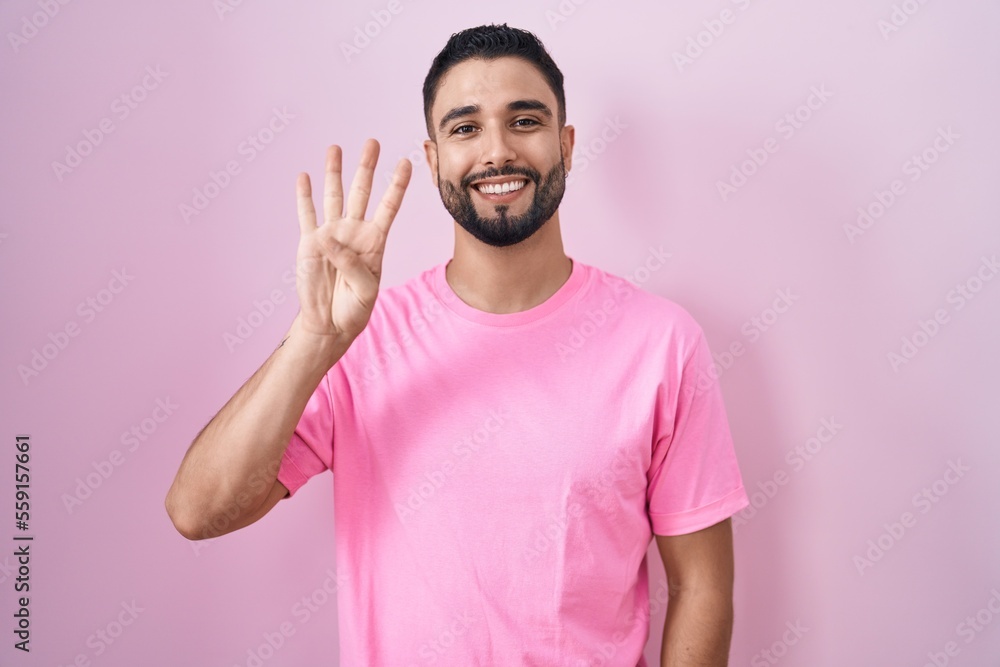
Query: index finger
point(393, 197)
point(307, 213)
point(361, 186)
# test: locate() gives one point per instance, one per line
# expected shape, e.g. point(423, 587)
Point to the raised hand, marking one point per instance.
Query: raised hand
point(339, 263)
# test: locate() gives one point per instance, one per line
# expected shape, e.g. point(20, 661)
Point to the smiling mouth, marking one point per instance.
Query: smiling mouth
point(503, 188)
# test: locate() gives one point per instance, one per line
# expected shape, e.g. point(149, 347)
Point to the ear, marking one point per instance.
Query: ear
point(430, 150)
point(567, 138)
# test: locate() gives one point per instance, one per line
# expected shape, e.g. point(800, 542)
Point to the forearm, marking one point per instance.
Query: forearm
point(234, 461)
point(698, 629)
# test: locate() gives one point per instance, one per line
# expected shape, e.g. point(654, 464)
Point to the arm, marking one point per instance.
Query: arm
point(699, 622)
point(228, 477)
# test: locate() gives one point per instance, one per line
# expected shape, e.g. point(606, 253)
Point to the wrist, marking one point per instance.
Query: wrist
point(325, 349)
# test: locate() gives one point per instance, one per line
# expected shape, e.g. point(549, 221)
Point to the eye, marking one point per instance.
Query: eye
point(532, 121)
point(457, 129)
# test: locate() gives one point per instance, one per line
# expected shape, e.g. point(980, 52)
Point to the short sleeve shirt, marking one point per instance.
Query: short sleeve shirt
point(498, 478)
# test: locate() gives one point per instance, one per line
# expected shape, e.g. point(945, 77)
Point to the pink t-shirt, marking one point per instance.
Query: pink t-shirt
point(498, 478)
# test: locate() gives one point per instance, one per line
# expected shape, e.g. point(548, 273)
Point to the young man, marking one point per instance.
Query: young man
point(507, 431)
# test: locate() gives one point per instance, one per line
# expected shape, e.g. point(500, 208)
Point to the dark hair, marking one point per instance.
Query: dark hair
point(490, 42)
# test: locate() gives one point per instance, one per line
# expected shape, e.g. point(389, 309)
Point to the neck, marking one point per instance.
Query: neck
point(509, 279)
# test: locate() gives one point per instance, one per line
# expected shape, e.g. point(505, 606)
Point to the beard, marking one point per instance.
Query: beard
point(506, 230)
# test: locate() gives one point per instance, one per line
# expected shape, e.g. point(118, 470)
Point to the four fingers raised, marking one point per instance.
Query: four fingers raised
point(357, 202)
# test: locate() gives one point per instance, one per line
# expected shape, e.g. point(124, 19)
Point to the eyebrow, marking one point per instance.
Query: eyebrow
point(516, 105)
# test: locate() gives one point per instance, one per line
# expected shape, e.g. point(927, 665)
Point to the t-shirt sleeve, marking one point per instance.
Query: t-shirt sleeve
point(694, 478)
point(310, 449)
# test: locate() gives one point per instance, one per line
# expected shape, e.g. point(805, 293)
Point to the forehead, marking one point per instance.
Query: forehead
point(489, 84)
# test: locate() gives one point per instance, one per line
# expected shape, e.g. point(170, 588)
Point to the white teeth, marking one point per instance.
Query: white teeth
point(500, 189)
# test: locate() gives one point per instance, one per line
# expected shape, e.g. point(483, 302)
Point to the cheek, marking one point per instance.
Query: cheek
point(456, 162)
point(542, 160)
point(452, 175)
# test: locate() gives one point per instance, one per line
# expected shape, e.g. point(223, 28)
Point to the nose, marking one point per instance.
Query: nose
point(496, 145)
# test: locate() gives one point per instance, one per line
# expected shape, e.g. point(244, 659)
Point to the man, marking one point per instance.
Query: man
point(507, 431)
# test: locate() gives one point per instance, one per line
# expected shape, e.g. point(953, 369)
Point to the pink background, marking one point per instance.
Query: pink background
point(649, 182)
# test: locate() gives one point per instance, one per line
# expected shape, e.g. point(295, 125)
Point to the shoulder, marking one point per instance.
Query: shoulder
point(656, 315)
